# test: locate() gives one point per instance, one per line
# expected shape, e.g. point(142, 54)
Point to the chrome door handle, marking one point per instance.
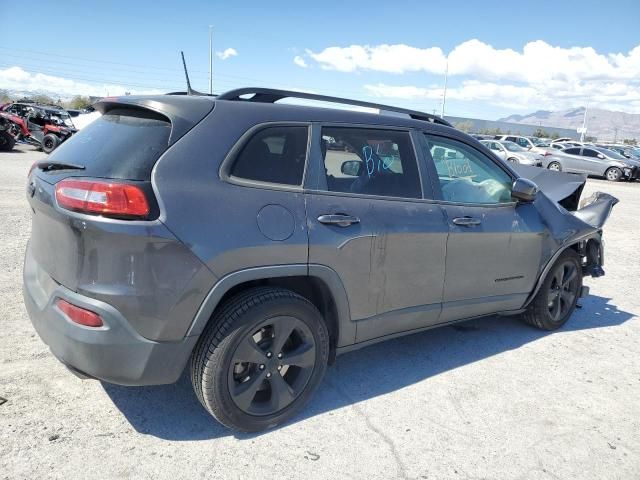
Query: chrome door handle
point(339, 219)
point(466, 221)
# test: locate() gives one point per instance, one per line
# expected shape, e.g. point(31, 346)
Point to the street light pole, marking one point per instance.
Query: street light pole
point(210, 59)
point(444, 93)
point(584, 123)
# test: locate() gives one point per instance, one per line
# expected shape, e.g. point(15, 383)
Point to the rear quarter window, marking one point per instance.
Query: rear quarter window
point(122, 144)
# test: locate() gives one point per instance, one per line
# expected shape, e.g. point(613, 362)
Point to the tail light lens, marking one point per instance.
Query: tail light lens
point(111, 199)
point(547, 154)
point(79, 315)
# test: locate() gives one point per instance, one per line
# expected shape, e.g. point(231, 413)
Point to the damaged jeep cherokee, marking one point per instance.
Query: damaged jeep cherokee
point(252, 241)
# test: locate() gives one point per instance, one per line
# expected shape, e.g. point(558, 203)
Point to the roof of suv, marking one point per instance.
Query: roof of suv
point(187, 109)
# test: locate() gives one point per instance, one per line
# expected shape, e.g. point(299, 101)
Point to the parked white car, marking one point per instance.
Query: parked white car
point(514, 153)
point(524, 142)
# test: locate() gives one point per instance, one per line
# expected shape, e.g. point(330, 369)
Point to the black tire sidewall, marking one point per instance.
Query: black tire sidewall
point(7, 141)
point(218, 399)
point(55, 141)
point(542, 297)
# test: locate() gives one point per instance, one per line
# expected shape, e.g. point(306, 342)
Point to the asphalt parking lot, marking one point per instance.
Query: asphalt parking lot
point(489, 398)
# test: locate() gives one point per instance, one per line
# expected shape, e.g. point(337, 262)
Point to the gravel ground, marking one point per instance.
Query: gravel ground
point(489, 398)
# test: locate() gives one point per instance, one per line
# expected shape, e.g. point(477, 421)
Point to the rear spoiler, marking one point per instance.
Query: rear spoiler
point(184, 112)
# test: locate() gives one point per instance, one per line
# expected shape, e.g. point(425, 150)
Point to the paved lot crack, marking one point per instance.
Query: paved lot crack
point(402, 469)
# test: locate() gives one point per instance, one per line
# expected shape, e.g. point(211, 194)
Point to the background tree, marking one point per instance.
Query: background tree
point(4, 96)
point(465, 126)
point(541, 133)
point(78, 102)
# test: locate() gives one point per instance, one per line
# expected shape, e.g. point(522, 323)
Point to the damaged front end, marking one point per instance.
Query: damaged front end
point(573, 223)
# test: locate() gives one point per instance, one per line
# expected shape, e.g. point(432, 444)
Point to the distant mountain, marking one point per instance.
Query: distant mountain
point(603, 124)
point(17, 94)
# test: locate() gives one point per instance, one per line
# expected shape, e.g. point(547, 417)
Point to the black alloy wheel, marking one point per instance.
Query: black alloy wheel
point(563, 290)
point(272, 366)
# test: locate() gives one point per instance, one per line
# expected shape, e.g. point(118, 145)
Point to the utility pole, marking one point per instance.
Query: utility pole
point(444, 93)
point(210, 59)
point(584, 123)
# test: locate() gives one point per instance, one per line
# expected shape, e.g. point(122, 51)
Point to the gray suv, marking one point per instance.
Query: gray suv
point(253, 241)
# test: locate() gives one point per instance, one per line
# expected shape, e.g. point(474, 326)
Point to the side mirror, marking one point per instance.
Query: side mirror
point(524, 190)
point(351, 168)
point(601, 156)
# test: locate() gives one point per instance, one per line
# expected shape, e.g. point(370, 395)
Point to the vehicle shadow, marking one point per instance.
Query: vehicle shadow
point(172, 412)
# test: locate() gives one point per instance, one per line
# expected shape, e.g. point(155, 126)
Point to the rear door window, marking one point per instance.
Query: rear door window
point(122, 144)
point(273, 155)
point(370, 162)
point(587, 152)
point(572, 151)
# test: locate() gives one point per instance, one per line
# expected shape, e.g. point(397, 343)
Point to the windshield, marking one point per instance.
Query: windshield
point(610, 153)
point(62, 117)
point(513, 147)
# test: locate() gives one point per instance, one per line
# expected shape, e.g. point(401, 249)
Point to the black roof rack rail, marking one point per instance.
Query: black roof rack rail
point(272, 95)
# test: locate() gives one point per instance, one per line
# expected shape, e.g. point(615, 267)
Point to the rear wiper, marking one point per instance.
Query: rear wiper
point(49, 166)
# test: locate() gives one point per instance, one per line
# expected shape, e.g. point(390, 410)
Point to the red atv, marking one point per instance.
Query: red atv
point(42, 126)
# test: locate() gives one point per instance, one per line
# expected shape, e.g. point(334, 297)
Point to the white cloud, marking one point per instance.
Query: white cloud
point(540, 75)
point(227, 53)
point(15, 78)
point(611, 95)
point(538, 61)
point(299, 61)
point(383, 58)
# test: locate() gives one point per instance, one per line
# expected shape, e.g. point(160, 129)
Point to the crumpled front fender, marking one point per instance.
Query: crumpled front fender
point(595, 210)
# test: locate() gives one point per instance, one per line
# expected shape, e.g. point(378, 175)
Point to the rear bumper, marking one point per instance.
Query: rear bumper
point(115, 352)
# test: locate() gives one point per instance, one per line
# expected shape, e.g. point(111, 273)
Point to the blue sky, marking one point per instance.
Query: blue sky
point(502, 59)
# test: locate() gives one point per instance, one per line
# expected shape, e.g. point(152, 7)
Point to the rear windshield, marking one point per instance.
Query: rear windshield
point(123, 144)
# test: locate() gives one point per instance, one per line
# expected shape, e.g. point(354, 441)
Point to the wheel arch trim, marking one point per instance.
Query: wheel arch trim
point(346, 328)
point(551, 262)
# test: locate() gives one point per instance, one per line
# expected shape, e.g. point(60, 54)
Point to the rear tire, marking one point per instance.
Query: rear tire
point(613, 174)
point(556, 300)
point(247, 371)
point(7, 141)
point(50, 142)
point(555, 166)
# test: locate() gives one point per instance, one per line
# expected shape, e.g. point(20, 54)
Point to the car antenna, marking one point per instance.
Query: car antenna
point(190, 91)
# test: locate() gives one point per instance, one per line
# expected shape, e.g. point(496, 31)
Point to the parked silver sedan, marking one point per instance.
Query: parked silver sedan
point(514, 153)
point(594, 161)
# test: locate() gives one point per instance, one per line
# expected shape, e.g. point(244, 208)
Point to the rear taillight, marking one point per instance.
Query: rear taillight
point(547, 154)
point(79, 315)
point(111, 199)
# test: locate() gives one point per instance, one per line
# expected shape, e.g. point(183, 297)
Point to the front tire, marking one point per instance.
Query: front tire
point(556, 300)
point(555, 166)
point(260, 359)
point(613, 174)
